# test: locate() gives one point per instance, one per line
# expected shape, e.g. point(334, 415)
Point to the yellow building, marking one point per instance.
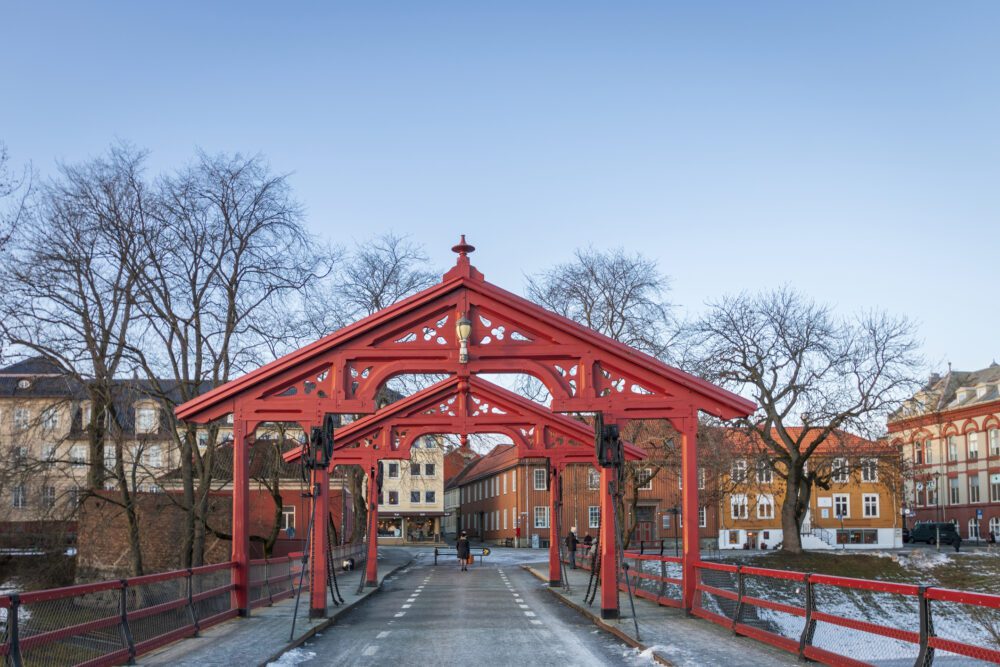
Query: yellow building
point(860, 509)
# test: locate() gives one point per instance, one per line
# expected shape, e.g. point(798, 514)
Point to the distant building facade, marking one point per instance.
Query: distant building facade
point(859, 510)
point(411, 507)
point(949, 435)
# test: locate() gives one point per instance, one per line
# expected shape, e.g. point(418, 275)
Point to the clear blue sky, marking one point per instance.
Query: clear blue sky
point(851, 150)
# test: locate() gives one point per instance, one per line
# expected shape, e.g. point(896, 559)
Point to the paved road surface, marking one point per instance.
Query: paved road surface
point(495, 614)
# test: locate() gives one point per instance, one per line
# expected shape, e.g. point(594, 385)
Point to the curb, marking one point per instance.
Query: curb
point(299, 641)
point(598, 621)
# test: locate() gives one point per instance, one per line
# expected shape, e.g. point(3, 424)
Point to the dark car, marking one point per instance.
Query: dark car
point(928, 533)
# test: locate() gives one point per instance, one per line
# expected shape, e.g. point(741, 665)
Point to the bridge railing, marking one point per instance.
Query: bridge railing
point(847, 621)
point(112, 622)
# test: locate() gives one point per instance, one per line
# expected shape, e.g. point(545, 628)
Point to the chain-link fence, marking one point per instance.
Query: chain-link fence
point(112, 622)
point(840, 620)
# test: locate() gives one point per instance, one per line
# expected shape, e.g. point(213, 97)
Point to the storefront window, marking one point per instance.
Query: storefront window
point(390, 527)
point(419, 529)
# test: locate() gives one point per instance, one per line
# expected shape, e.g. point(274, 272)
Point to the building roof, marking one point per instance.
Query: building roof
point(501, 457)
point(838, 441)
point(33, 366)
point(952, 391)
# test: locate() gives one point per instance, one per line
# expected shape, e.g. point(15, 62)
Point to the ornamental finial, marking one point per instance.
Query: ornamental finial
point(463, 249)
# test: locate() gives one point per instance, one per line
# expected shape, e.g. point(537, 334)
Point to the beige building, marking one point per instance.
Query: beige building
point(411, 507)
point(949, 436)
point(43, 420)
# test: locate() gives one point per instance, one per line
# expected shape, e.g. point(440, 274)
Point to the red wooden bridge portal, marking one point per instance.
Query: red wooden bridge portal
point(462, 328)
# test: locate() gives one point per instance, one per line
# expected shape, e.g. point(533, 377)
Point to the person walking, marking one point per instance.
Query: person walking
point(462, 547)
point(571, 543)
point(958, 542)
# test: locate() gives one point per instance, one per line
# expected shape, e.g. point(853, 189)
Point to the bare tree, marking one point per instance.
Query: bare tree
point(218, 257)
point(811, 373)
point(68, 295)
point(15, 189)
point(618, 294)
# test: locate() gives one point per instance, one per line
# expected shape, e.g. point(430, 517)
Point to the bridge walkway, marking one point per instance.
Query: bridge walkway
point(246, 642)
point(669, 634)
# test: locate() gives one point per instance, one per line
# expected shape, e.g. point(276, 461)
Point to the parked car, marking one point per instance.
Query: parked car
point(928, 533)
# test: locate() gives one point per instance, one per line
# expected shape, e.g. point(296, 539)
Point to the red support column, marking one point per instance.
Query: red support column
point(609, 556)
point(241, 519)
point(371, 567)
point(317, 554)
point(689, 508)
point(554, 577)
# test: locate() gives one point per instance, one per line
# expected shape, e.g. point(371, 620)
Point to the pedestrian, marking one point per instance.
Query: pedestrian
point(462, 547)
point(957, 542)
point(571, 543)
point(993, 537)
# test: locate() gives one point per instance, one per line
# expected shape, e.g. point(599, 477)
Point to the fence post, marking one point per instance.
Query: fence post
point(435, 555)
point(267, 581)
point(739, 598)
point(661, 546)
point(13, 634)
point(809, 629)
point(642, 546)
point(190, 591)
point(123, 620)
point(926, 655)
point(663, 576)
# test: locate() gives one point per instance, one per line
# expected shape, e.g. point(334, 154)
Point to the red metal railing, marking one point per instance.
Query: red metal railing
point(847, 621)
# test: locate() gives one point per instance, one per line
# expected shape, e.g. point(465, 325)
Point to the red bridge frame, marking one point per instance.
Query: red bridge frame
point(583, 370)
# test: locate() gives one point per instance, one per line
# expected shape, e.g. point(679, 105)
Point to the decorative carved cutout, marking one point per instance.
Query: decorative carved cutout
point(358, 377)
point(613, 382)
point(500, 331)
point(432, 331)
point(569, 375)
point(307, 386)
point(481, 407)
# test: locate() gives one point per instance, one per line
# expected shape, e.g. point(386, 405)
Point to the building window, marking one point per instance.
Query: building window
point(503, 479)
point(415, 497)
point(702, 517)
point(85, 413)
point(973, 529)
point(19, 455)
point(78, 455)
point(429, 497)
point(50, 419)
point(541, 517)
point(48, 497)
point(738, 473)
point(505, 516)
point(20, 497)
point(995, 526)
point(869, 470)
point(953, 490)
point(594, 516)
point(869, 504)
point(841, 505)
point(765, 506)
point(393, 470)
point(644, 479)
point(952, 448)
point(738, 506)
point(394, 497)
point(995, 442)
point(153, 456)
point(701, 478)
point(109, 458)
point(666, 521)
point(513, 481)
point(145, 420)
point(840, 470)
point(928, 452)
point(540, 477)
point(918, 453)
point(49, 453)
point(593, 479)
point(972, 440)
point(765, 474)
point(428, 470)
point(414, 470)
point(974, 487)
point(22, 418)
point(288, 517)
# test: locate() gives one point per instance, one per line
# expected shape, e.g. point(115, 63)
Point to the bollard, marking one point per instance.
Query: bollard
point(126, 630)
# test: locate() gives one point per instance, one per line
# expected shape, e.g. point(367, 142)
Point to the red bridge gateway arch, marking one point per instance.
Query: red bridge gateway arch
point(463, 327)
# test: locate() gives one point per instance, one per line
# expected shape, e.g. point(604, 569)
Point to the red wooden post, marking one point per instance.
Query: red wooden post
point(317, 555)
point(689, 508)
point(609, 557)
point(371, 567)
point(554, 578)
point(241, 518)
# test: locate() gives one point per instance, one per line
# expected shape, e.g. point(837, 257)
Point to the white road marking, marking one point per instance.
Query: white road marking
point(370, 650)
point(529, 613)
point(407, 606)
point(383, 634)
point(413, 599)
point(524, 606)
point(536, 622)
point(399, 613)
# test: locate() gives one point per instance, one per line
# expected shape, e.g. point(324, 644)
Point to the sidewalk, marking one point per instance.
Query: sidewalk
point(265, 634)
point(673, 637)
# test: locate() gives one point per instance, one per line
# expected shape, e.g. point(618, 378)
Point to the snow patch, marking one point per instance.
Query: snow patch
point(294, 657)
point(636, 657)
